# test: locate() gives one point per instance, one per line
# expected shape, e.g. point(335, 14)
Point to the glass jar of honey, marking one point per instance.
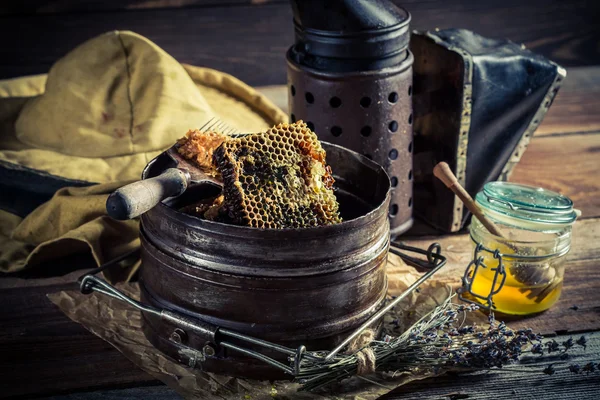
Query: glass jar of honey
point(522, 272)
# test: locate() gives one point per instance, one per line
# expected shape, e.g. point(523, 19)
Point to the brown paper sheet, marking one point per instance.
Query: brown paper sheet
point(120, 325)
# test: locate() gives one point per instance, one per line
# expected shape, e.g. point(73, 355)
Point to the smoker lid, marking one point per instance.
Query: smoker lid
point(350, 29)
point(348, 16)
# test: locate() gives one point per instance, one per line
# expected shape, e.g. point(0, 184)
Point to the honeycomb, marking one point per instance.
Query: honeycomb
point(277, 179)
point(199, 146)
point(207, 208)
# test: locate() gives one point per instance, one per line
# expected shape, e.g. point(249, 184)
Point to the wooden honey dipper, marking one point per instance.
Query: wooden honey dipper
point(443, 172)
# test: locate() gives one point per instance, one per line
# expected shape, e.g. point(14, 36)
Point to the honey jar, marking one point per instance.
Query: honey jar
point(522, 272)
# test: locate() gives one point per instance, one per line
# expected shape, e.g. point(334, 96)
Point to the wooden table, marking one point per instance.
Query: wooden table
point(43, 353)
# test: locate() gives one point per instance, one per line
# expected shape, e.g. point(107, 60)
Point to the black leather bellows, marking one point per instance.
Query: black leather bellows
point(476, 104)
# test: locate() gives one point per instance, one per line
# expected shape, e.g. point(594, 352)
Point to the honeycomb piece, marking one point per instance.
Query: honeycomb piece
point(277, 179)
point(199, 146)
point(203, 206)
point(211, 209)
point(212, 213)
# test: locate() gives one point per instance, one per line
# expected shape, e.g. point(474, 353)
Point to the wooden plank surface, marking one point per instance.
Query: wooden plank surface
point(42, 351)
point(575, 109)
point(505, 384)
point(569, 165)
point(250, 41)
point(156, 392)
point(28, 7)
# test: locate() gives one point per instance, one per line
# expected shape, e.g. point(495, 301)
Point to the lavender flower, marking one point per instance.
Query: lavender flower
point(575, 368)
point(537, 349)
point(549, 370)
point(552, 346)
point(568, 344)
point(582, 342)
point(590, 367)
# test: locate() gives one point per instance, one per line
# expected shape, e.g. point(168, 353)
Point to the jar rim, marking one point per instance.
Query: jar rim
point(529, 204)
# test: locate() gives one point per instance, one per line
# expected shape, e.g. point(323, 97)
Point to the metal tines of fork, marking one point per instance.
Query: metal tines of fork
point(216, 125)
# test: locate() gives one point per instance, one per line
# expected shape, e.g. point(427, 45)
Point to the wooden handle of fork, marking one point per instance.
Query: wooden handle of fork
point(443, 172)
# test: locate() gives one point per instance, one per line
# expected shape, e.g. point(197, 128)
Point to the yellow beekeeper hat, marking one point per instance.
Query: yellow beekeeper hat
point(112, 104)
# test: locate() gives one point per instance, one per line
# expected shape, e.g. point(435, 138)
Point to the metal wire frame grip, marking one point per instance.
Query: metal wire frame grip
point(219, 336)
point(471, 271)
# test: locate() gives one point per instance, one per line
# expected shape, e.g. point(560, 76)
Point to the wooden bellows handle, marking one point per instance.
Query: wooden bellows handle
point(443, 172)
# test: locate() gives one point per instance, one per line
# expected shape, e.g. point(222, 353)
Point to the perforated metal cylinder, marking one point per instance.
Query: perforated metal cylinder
point(369, 112)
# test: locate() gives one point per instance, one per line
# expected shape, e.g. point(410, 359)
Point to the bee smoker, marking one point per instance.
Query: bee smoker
point(350, 80)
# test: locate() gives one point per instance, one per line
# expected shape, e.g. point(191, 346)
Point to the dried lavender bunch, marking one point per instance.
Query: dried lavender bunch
point(437, 343)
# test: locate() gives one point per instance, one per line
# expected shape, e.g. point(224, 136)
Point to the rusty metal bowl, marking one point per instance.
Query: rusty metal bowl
point(293, 286)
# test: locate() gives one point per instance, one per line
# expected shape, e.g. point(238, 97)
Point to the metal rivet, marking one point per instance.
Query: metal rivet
point(208, 350)
point(178, 336)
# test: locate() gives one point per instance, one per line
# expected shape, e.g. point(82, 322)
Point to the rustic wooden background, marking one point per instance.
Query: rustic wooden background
point(248, 38)
point(44, 353)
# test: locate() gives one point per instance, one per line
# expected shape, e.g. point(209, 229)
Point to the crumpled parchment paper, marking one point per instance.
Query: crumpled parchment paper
point(120, 325)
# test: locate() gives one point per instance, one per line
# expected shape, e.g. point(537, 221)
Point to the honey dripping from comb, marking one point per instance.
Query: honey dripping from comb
point(275, 179)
